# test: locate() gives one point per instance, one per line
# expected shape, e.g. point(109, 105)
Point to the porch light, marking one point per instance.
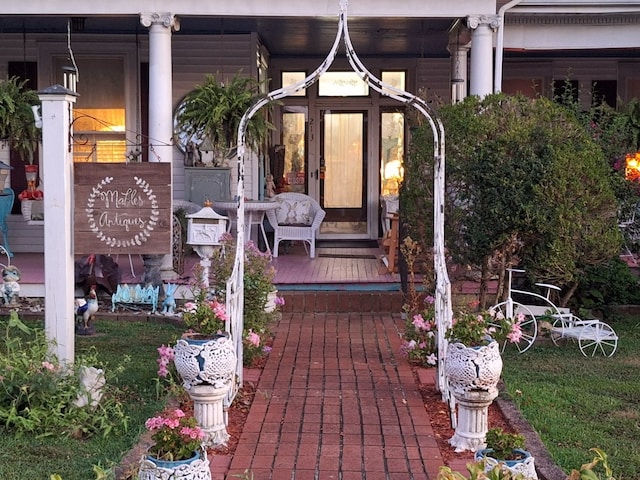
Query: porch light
point(632, 166)
point(70, 78)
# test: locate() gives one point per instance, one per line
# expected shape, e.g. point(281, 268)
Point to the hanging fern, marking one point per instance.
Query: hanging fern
point(17, 126)
point(213, 110)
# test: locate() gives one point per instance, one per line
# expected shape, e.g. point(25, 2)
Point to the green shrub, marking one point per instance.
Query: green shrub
point(38, 394)
point(605, 285)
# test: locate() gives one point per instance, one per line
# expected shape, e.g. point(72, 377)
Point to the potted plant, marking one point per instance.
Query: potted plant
point(205, 354)
point(507, 450)
point(473, 359)
point(473, 366)
point(205, 358)
point(19, 132)
point(177, 450)
point(477, 471)
point(209, 116)
point(17, 126)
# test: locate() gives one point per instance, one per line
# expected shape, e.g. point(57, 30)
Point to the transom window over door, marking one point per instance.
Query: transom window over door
point(99, 125)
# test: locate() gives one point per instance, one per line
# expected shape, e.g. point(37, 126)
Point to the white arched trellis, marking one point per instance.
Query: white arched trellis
point(235, 284)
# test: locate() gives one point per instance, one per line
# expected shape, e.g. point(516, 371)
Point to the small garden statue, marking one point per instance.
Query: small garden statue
point(10, 288)
point(270, 187)
point(86, 310)
point(169, 302)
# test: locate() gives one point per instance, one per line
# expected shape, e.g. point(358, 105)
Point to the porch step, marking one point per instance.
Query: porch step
point(342, 301)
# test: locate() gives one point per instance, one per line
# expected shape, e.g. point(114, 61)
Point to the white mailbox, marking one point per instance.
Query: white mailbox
point(205, 227)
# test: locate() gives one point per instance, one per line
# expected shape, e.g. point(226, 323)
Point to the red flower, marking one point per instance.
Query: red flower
point(31, 195)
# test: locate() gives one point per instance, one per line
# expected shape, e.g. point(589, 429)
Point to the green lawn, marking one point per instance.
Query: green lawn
point(26, 457)
point(575, 403)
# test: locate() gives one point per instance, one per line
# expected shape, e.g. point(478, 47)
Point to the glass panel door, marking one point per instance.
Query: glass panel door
point(343, 172)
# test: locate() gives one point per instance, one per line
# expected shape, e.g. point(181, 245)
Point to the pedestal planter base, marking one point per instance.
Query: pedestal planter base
point(473, 414)
point(208, 408)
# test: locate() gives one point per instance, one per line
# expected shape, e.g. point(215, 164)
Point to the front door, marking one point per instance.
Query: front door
point(343, 173)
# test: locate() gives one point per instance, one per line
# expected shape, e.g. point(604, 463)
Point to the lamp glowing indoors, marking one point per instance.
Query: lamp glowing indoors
point(632, 167)
point(393, 175)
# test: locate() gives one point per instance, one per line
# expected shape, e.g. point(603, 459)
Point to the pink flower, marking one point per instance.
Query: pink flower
point(253, 338)
point(515, 334)
point(166, 357)
point(219, 309)
point(49, 366)
point(190, 307)
point(419, 322)
point(279, 300)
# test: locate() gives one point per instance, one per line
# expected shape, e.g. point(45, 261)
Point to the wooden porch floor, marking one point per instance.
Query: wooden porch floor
point(356, 268)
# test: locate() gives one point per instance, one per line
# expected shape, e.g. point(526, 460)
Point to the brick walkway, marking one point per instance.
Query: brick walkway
point(335, 401)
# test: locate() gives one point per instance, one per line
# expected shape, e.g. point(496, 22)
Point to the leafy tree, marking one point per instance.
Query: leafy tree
point(526, 185)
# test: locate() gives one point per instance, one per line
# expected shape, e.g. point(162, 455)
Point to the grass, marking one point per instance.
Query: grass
point(25, 456)
point(575, 403)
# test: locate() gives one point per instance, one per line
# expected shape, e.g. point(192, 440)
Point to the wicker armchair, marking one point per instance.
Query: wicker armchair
point(297, 218)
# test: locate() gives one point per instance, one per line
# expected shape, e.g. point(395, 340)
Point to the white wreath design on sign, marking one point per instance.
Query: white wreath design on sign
point(138, 238)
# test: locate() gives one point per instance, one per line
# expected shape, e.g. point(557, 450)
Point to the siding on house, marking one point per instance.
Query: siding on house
point(193, 58)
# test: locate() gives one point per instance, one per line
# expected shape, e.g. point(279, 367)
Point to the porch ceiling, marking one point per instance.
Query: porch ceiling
point(283, 37)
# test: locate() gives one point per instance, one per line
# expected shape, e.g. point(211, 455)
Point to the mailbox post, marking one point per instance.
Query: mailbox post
point(204, 229)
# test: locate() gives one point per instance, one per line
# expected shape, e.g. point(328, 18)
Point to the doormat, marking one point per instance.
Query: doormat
point(347, 255)
point(347, 243)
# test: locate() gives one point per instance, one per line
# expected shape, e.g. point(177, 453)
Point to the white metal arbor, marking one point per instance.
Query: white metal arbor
point(235, 284)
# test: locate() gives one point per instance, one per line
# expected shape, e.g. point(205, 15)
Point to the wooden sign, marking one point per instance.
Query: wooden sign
point(122, 208)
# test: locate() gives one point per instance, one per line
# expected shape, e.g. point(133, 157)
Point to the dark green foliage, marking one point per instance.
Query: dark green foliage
point(17, 126)
point(214, 109)
point(39, 395)
point(611, 283)
point(29, 456)
point(416, 190)
point(526, 185)
point(503, 443)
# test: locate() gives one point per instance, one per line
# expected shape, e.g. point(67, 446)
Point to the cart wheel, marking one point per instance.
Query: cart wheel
point(597, 337)
point(529, 325)
point(557, 331)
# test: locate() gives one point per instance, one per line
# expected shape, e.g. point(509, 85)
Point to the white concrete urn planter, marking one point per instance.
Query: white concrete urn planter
point(473, 374)
point(195, 468)
point(473, 368)
point(524, 466)
point(207, 367)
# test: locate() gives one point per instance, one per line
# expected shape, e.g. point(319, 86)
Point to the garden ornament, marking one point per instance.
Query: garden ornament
point(10, 288)
point(169, 303)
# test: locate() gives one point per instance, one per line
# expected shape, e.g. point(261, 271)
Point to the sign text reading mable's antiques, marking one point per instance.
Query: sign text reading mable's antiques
point(122, 208)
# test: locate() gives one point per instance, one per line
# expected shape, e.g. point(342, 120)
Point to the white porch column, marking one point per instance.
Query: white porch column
point(459, 46)
point(57, 168)
point(481, 67)
point(160, 25)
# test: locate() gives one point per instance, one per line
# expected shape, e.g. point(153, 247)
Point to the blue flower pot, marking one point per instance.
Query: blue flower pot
point(195, 467)
point(171, 464)
point(524, 465)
